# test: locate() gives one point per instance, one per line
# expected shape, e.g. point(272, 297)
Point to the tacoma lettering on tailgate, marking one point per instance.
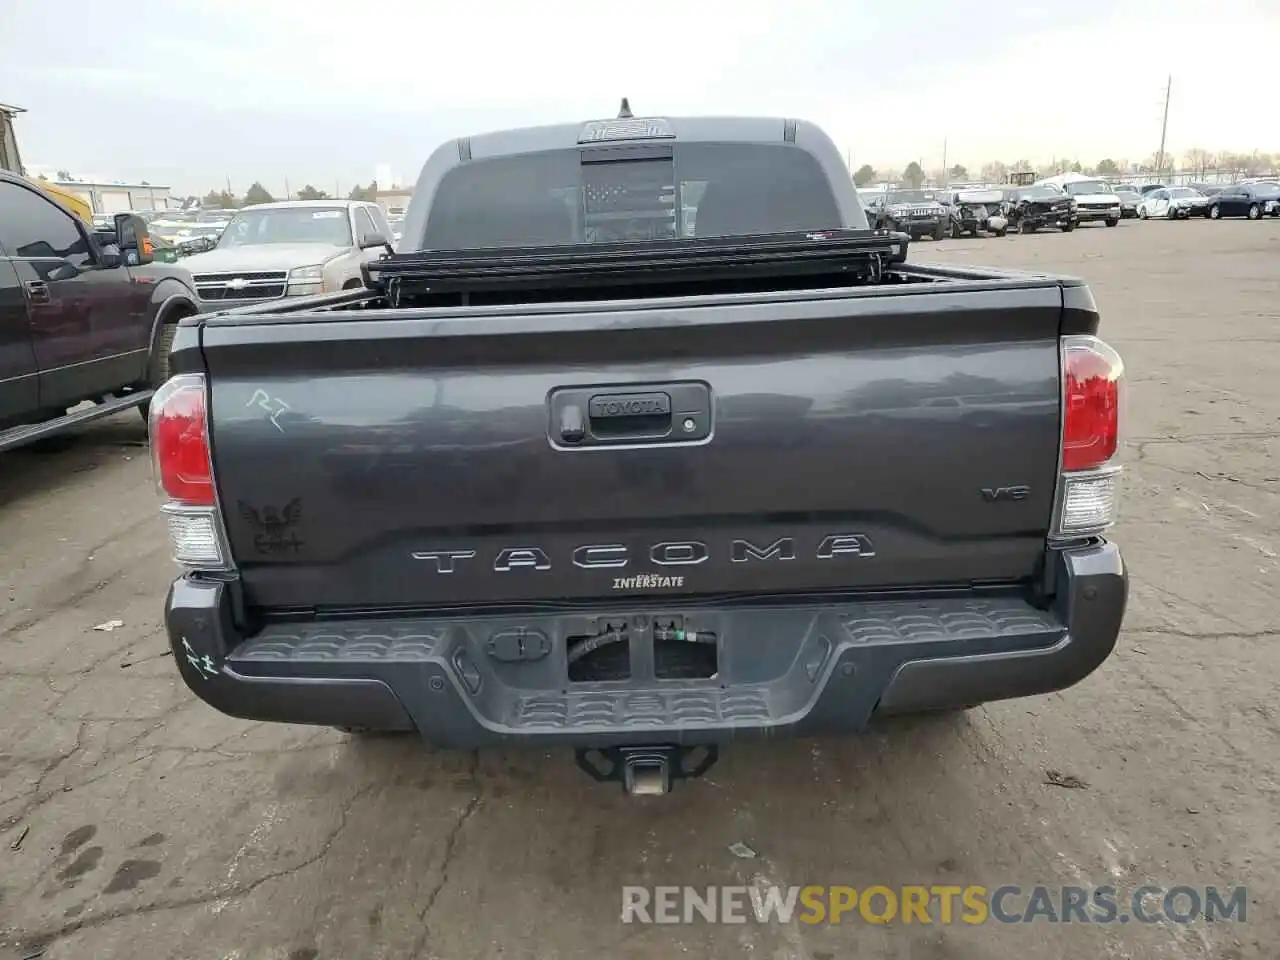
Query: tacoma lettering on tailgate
point(668, 553)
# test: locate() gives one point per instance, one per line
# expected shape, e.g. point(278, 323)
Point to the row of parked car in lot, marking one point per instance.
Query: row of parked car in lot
point(1062, 203)
point(1252, 200)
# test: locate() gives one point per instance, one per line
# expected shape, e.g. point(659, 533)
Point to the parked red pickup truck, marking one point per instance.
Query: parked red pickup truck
point(84, 316)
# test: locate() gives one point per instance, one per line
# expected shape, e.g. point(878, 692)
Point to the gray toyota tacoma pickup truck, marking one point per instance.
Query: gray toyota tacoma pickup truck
point(641, 443)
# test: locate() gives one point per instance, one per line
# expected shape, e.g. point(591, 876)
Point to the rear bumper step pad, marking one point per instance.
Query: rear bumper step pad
point(801, 669)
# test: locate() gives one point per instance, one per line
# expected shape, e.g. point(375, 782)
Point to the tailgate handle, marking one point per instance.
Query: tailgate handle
point(655, 413)
point(630, 414)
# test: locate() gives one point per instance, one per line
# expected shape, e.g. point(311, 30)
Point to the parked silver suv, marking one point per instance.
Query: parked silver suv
point(294, 248)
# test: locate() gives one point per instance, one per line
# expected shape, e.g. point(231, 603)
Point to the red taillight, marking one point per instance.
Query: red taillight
point(180, 441)
point(1093, 394)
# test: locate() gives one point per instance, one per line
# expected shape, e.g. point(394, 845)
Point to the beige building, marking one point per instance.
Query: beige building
point(107, 198)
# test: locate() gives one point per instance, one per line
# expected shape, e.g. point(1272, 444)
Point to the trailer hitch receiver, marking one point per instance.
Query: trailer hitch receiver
point(646, 771)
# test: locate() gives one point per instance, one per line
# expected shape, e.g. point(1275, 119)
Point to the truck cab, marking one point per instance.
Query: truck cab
point(84, 315)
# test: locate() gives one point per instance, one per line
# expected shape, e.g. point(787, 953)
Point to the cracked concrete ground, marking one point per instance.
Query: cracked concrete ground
point(135, 821)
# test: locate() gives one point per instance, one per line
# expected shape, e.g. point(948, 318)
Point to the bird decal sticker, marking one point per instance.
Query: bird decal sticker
point(274, 528)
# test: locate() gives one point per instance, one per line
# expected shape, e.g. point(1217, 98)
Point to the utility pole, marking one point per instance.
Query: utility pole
point(946, 171)
point(1164, 126)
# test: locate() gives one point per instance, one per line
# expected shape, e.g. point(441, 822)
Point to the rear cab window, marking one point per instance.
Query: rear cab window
point(637, 193)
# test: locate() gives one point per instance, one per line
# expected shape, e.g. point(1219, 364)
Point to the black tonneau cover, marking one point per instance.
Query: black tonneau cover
point(857, 254)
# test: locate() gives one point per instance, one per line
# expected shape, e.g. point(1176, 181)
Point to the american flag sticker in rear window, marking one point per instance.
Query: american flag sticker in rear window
point(629, 200)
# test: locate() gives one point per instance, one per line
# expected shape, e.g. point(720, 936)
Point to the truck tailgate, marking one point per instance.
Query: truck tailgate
point(871, 438)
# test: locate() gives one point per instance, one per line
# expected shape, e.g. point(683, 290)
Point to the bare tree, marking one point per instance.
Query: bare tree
point(1255, 163)
point(223, 199)
point(1237, 165)
point(994, 172)
point(1152, 164)
point(1199, 160)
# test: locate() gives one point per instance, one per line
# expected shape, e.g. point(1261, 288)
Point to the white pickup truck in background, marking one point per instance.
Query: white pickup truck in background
point(289, 249)
point(1095, 198)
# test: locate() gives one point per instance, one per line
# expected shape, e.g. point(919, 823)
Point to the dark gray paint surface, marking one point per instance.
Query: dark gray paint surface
point(425, 432)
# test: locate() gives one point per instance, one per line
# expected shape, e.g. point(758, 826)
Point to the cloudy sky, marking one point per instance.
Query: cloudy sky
point(190, 94)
